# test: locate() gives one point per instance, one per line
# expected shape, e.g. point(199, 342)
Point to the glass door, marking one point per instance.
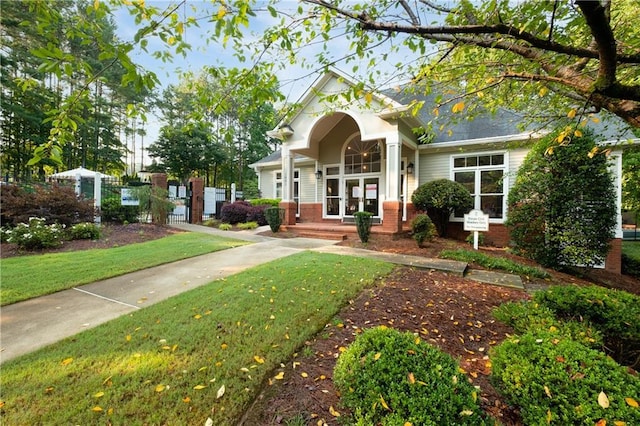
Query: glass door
point(361, 194)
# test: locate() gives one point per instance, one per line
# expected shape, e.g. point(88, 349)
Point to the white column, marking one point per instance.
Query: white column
point(394, 150)
point(97, 197)
point(287, 174)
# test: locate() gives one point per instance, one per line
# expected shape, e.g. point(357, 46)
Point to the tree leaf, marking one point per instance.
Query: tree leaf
point(384, 403)
point(571, 113)
point(459, 107)
point(160, 387)
point(279, 376)
point(333, 412)
point(631, 402)
point(258, 359)
point(199, 387)
point(603, 400)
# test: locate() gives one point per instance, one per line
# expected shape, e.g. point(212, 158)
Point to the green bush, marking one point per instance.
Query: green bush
point(363, 225)
point(36, 234)
point(562, 207)
point(527, 316)
point(84, 231)
point(274, 216)
point(388, 377)
point(271, 202)
point(615, 313)
point(225, 227)
point(441, 198)
point(423, 229)
point(113, 211)
point(558, 381)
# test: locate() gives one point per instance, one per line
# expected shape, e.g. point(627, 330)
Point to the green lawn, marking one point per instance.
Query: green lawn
point(203, 354)
point(631, 249)
point(26, 277)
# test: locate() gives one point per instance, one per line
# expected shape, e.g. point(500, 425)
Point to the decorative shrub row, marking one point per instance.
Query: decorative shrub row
point(559, 381)
point(615, 313)
point(38, 235)
point(54, 203)
point(269, 202)
point(391, 378)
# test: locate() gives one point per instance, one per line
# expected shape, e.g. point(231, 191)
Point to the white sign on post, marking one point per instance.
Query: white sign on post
point(476, 221)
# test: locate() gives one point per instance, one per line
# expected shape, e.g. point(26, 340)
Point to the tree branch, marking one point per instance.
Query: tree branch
point(598, 22)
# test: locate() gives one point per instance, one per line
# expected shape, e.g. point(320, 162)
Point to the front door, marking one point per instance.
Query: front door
point(361, 194)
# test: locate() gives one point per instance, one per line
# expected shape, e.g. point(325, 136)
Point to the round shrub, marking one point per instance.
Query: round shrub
point(235, 212)
point(556, 380)
point(389, 377)
point(84, 231)
point(440, 199)
point(423, 229)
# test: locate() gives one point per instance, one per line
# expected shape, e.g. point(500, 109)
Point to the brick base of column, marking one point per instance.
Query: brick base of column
point(290, 209)
point(613, 262)
point(392, 211)
point(159, 180)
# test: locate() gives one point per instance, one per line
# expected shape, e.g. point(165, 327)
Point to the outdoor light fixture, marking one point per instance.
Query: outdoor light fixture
point(410, 168)
point(319, 174)
point(286, 130)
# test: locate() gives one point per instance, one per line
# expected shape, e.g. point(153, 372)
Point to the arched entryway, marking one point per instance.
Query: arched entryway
point(354, 184)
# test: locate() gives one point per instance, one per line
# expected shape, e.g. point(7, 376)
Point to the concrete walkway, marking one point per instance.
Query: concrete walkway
point(35, 323)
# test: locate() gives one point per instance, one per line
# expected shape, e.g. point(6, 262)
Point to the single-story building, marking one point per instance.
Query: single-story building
point(364, 155)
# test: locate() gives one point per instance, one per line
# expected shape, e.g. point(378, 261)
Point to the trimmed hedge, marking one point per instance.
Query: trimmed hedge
point(615, 313)
point(390, 378)
point(556, 380)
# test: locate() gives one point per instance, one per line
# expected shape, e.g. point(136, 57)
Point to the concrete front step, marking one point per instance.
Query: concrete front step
point(334, 236)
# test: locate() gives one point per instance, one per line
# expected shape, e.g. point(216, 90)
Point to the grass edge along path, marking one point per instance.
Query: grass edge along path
point(26, 277)
point(203, 354)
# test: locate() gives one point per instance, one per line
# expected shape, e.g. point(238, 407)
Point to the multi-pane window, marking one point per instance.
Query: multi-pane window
point(483, 175)
point(362, 157)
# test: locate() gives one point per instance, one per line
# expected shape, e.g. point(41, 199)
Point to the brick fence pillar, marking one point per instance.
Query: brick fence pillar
point(197, 200)
point(158, 180)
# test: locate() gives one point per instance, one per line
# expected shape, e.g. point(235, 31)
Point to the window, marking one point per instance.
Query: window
point(483, 175)
point(296, 187)
point(362, 157)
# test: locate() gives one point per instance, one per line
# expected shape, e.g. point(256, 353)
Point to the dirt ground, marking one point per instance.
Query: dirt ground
point(451, 312)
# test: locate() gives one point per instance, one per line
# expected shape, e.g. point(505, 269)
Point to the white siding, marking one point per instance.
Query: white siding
point(516, 158)
point(434, 166)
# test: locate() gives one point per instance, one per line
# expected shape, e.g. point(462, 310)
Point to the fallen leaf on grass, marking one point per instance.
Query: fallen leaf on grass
point(333, 412)
point(603, 400)
point(220, 392)
point(199, 387)
point(631, 402)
